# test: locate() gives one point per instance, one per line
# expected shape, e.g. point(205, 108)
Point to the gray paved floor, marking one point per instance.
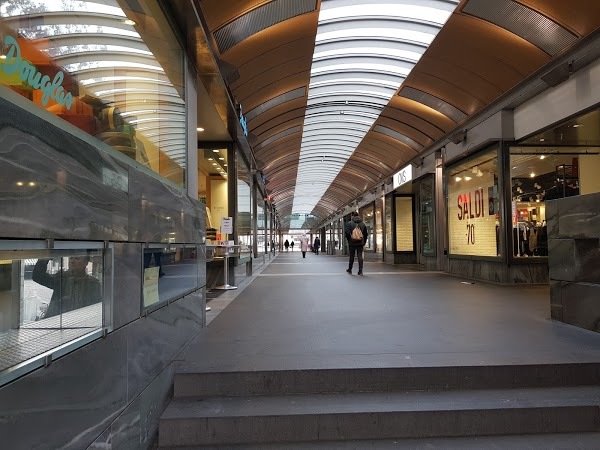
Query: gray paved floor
point(308, 313)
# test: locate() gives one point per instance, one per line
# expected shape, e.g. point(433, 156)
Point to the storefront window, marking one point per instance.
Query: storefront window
point(111, 72)
point(473, 206)
point(379, 225)
point(212, 188)
point(367, 216)
point(49, 298)
point(404, 225)
point(170, 271)
point(540, 174)
point(244, 209)
point(260, 223)
point(427, 217)
point(389, 243)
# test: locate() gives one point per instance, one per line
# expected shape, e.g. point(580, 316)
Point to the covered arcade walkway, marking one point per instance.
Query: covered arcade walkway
point(308, 313)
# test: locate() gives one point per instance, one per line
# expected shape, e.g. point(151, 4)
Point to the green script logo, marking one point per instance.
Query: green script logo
point(29, 74)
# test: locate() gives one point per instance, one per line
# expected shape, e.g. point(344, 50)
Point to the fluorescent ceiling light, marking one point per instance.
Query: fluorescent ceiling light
point(389, 9)
point(418, 37)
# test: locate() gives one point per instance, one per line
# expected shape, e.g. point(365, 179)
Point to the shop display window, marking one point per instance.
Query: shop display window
point(404, 224)
point(170, 271)
point(260, 223)
point(244, 210)
point(115, 73)
point(368, 217)
point(48, 299)
point(213, 188)
point(427, 217)
point(546, 173)
point(379, 225)
point(473, 206)
point(389, 242)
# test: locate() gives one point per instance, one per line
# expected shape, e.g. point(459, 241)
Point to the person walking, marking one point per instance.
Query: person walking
point(303, 245)
point(292, 245)
point(317, 245)
point(356, 232)
point(286, 244)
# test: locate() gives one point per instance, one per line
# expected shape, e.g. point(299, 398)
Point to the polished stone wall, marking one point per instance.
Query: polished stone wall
point(107, 394)
point(499, 272)
point(574, 259)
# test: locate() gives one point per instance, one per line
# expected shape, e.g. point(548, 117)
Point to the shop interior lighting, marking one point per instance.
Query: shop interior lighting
point(211, 159)
point(215, 151)
point(457, 179)
point(468, 178)
point(577, 125)
point(31, 183)
point(200, 129)
point(543, 157)
point(214, 164)
point(221, 158)
point(363, 53)
point(20, 183)
point(532, 175)
point(130, 22)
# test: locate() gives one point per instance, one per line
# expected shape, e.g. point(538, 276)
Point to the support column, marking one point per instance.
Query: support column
point(440, 214)
point(191, 111)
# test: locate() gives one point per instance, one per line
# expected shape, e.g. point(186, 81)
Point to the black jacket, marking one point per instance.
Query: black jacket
point(351, 225)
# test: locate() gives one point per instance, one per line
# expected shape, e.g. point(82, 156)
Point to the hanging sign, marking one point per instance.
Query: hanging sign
point(227, 225)
point(403, 176)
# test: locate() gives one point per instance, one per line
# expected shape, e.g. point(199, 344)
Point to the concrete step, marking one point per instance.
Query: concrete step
point(189, 383)
point(550, 441)
point(376, 415)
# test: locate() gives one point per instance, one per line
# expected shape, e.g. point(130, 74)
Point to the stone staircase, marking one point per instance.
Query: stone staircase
point(414, 407)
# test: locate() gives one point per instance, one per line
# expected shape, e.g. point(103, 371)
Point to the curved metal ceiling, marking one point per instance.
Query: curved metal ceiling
point(357, 59)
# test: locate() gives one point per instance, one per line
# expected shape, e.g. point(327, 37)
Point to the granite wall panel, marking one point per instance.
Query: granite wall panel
point(155, 340)
point(579, 217)
point(55, 185)
point(71, 402)
point(552, 219)
point(127, 283)
point(581, 305)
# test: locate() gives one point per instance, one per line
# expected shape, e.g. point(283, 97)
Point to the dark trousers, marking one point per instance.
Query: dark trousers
point(304, 254)
point(358, 249)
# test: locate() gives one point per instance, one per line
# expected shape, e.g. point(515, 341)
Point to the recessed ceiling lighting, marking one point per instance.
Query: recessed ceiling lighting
point(216, 151)
point(221, 159)
point(468, 178)
point(214, 164)
point(543, 157)
point(542, 140)
point(514, 167)
point(2, 56)
point(532, 174)
point(20, 183)
point(577, 125)
point(210, 159)
point(31, 183)
point(130, 22)
point(458, 179)
point(200, 129)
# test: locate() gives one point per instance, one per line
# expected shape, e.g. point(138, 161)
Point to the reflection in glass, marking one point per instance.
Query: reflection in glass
point(244, 212)
point(546, 173)
point(118, 79)
point(366, 213)
point(260, 223)
point(473, 206)
point(47, 298)
point(379, 225)
point(388, 224)
point(427, 217)
point(169, 272)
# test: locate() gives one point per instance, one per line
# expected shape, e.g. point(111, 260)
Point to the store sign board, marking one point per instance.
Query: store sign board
point(227, 225)
point(243, 122)
point(29, 74)
point(473, 219)
point(403, 176)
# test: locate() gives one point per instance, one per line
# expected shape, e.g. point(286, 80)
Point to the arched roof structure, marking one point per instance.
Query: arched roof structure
point(340, 94)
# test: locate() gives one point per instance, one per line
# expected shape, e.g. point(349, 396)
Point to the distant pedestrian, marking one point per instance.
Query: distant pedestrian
point(292, 245)
point(317, 245)
point(286, 244)
point(356, 233)
point(303, 245)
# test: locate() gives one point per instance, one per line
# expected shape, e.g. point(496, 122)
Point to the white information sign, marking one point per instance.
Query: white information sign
point(227, 225)
point(403, 176)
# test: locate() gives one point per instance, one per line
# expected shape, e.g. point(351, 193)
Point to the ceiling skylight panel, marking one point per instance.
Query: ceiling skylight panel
point(363, 52)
